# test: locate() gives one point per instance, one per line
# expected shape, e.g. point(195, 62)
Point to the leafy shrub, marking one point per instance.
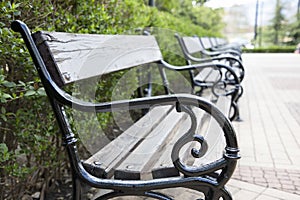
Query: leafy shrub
point(271, 49)
point(31, 156)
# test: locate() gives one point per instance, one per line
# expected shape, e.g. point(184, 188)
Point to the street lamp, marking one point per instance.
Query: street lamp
point(298, 9)
point(151, 3)
point(256, 20)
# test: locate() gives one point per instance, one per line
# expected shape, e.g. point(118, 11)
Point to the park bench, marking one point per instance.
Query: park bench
point(193, 52)
point(182, 140)
point(209, 49)
point(220, 44)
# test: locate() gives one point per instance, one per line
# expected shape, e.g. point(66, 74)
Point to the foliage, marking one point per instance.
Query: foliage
point(282, 30)
point(30, 144)
point(198, 19)
point(294, 32)
point(271, 49)
point(277, 21)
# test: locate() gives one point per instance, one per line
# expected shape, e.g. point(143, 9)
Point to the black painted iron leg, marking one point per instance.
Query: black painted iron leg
point(218, 194)
point(76, 187)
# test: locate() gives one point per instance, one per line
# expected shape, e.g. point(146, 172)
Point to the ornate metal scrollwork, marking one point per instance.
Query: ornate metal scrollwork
point(189, 136)
point(227, 85)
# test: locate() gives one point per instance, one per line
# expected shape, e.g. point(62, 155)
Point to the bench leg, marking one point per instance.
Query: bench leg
point(236, 112)
point(217, 194)
point(76, 187)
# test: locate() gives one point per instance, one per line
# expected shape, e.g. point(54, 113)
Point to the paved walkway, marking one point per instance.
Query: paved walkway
point(269, 135)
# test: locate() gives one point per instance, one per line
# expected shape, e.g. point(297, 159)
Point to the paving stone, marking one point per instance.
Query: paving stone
point(280, 179)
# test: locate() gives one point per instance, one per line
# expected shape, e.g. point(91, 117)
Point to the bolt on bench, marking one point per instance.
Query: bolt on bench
point(181, 141)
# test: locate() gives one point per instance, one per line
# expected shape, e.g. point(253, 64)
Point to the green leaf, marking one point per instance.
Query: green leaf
point(22, 83)
point(41, 92)
point(29, 93)
point(7, 96)
point(4, 118)
point(3, 110)
point(4, 154)
point(9, 84)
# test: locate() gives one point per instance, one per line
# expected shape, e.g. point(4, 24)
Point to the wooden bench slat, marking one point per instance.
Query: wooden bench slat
point(215, 137)
point(207, 75)
point(137, 164)
point(164, 167)
point(103, 163)
point(192, 44)
point(94, 55)
point(206, 42)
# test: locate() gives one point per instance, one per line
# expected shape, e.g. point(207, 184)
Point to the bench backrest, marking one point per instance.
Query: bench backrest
point(221, 41)
point(206, 43)
point(214, 41)
point(71, 57)
point(192, 44)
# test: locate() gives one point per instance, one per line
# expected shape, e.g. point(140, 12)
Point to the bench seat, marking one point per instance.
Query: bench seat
point(143, 151)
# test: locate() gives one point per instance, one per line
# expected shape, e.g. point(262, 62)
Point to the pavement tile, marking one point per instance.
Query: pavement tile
point(280, 194)
point(269, 135)
point(265, 197)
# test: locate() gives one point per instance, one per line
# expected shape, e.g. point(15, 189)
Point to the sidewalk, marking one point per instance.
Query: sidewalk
point(241, 190)
point(269, 135)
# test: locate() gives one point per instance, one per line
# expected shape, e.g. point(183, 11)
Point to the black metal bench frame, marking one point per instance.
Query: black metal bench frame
point(194, 178)
point(193, 45)
point(217, 44)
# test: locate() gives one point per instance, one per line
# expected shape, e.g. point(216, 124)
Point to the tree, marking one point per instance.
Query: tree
point(298, 10)
point(277, 21)
point(201, 2)
point(294, 31)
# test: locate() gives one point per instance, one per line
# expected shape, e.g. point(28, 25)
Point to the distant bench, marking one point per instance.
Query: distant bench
point(216, 44)
point(181, 141)
point(197, 50)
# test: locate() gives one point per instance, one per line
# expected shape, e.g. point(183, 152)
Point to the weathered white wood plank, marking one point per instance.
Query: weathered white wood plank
point(139, 163)
point(206, 42)
point(192, 44)
point(103, 163)
point(164, 167)
point(207, 75)
point(81, 56)
point(215, 136)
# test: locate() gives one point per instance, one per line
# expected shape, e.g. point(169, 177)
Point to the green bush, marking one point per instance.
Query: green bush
point(30, 144)
point(271, 49)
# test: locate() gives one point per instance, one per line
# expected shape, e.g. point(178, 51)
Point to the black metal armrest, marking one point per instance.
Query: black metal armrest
point(218, 58)
point(217, 53)
point(202, 66)
point(227, 163)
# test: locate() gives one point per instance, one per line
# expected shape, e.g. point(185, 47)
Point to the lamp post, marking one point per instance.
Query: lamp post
point(261, 23)
point(256, 20)
point(151, 3)
point(298, 10)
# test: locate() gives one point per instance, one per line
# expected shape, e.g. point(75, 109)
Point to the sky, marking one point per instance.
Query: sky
point(266, 6)
point(248, 10)
point(226, 3)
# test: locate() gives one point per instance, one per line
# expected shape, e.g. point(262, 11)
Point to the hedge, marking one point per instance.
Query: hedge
point(31, 153)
